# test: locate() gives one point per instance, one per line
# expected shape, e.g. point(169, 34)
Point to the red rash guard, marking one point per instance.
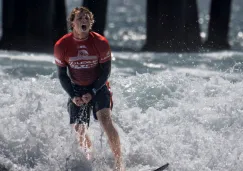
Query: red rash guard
point(82, 57)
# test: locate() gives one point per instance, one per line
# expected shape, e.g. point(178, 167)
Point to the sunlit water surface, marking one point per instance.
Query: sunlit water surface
point(185, 109)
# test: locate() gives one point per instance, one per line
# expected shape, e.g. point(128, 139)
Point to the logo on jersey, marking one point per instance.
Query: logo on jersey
point(82, 53)
point(82, 47)
point(107, 56)
point(83, 60)
point(83, 64)
point(58, 61)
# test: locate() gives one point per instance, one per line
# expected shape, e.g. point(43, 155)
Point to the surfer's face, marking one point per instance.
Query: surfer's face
point(81, 22)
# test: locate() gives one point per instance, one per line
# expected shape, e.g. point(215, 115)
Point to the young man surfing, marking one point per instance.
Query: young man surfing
point(83, 59)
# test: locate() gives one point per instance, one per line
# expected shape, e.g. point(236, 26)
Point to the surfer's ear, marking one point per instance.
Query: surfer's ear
point(71, 25)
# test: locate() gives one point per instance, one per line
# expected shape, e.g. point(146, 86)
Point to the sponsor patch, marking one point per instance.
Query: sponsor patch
point(58, 61)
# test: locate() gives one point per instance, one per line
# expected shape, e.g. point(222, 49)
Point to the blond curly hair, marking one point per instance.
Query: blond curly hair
point(80, 9)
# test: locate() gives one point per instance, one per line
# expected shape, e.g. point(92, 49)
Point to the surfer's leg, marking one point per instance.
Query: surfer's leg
point(79, 119)
point(83, 136)
point(102, 112)
point(104, 117)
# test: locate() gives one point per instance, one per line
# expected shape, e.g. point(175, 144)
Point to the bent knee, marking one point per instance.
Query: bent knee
point(104, 115)
point(80, 128)
point(105, 112)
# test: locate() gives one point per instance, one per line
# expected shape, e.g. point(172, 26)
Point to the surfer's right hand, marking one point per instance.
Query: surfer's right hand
point(77, 101)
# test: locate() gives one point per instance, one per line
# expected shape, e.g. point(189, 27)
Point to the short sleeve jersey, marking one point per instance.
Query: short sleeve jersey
point(82, 57)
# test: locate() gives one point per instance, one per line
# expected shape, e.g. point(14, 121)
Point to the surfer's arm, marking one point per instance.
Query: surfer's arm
point(65, 81)
point(101, 81)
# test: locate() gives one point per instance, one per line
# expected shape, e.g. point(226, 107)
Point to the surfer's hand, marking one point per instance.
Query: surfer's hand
point(86, 98)
point(78, 101)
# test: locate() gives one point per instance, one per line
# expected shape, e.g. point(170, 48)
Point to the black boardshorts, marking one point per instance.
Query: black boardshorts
point(81, 114)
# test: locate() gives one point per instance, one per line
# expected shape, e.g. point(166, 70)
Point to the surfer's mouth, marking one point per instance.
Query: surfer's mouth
point(83, 27)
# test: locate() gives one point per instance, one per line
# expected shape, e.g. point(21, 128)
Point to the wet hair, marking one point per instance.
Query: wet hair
point(80, 9)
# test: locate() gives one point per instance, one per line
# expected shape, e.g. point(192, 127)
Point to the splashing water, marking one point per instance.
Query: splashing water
point(192, 122)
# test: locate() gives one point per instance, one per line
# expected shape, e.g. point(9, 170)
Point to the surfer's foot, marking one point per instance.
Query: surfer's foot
point(119, 165)
point(88, 152)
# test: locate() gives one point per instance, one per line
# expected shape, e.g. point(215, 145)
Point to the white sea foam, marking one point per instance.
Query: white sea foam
point(191, 122)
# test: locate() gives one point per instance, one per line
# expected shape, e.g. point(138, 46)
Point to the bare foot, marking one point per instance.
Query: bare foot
point(88, 153)
point(119, 165)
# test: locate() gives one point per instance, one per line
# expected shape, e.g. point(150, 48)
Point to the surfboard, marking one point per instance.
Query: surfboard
point(163, 167)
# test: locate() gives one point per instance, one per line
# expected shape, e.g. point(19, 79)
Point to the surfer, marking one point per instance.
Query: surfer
point(83, 59)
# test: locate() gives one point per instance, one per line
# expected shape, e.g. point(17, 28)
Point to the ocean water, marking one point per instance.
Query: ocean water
point(127, 21)
point(181, 108)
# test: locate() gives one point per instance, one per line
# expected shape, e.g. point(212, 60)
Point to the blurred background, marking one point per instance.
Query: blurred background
point(176, 78)
point(164, 26)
